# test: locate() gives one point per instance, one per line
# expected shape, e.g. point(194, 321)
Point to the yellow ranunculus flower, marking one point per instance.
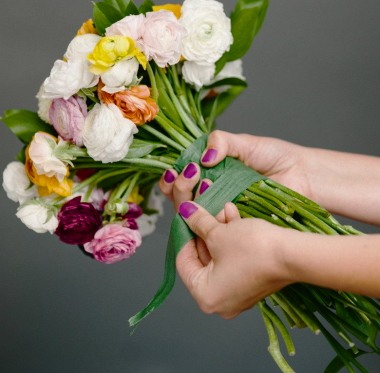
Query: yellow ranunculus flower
point(140, 57)
point(175, 8)
point(47, 185)
point(87, 28)
point(110, 50)
point(135, 197)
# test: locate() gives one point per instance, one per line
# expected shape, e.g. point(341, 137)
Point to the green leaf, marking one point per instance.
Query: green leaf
point(131, 9)
point(224, 100)
point(21, 156)
point(140, 148)
point(246, 20)
point(227, 81)
point(105, 15)
point(337, 364)
point(120, 5)
point(24, 124)
point(146, 6)
point(220, 64)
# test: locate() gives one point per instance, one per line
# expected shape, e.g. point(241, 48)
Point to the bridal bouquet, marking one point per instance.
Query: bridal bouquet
point(136, 93)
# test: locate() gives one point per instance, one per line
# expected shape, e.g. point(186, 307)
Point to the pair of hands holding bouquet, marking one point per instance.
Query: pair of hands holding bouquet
point(133, 98)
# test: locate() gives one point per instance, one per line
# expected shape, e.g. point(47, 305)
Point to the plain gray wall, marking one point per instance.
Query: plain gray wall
point(313, 76)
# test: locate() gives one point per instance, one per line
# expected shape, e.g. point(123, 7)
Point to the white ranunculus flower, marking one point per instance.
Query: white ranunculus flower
point(44, 105)
point(147, 223)
point(190, 5)
point(17, 184)
point(34, 216)
point(122, 74)
point(199, 75)
point(81, 46)
point(131, 26)
point(41, 152)
point(67, 78)
point(107, 135)
point(208, 31)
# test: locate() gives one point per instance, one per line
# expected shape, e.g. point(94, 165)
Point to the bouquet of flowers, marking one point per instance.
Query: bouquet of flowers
point(136, 93)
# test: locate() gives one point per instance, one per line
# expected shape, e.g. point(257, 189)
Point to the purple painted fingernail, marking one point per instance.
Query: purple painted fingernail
point(204, 186)
point(186, 209)
point(210, 156)
point(190, 171)
point(169, 177)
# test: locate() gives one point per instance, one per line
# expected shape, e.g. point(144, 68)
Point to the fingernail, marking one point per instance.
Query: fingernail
point(190, 171)
point(203, 188)
point(210, 155)
point(186, 209)
point(168, 177)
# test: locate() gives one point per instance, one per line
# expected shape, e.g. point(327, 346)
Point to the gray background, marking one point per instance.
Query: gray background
point(314, 80)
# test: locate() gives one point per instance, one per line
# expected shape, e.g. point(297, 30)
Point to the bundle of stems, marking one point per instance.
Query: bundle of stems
point(185, 116)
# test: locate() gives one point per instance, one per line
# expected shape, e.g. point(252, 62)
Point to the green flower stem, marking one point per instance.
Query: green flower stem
point(187, 120)
point(306, 316)
point(132, 184)
point(280, 326)
point(152, 82)
point(146, 162)
point(274, 348)
point(178, 129)
point(288, 219)
point(306, 214)
point(285, 306)
point(78, 152)
point(245, 211)
point(163, 138)
point(194, 107)
point(277, 192)
point(292, 193)
point(313, 227)
point(167, 160)
point(283, 207)
point(164, 123)
point(255, 205)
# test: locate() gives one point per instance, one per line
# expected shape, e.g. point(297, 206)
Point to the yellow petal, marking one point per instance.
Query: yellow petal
point(175, 8)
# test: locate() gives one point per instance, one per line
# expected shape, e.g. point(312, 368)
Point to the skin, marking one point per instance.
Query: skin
point(234, 263)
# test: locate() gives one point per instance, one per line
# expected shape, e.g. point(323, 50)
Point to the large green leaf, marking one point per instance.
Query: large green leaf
point(120, 5)
point(131, 9)
point(140, 148)
point(337, 364)
point(24, 124)
point(227, 81)
point(146, 6)
point(105, 15)
point(246, 19)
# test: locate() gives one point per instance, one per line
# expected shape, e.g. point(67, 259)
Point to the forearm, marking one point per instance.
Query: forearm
point(348, 263)
point(346, 184)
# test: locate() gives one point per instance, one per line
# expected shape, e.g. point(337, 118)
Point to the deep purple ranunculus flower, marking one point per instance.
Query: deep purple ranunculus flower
point(78, 222)
point(134, 211)
point(131, 224)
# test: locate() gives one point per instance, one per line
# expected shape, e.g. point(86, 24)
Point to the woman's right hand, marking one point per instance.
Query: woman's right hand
point(279, 160)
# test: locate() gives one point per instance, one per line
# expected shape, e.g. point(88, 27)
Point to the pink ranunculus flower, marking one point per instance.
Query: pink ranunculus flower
point(162, 38)
point(67, 117)
point(131, 26)
point(113, 243)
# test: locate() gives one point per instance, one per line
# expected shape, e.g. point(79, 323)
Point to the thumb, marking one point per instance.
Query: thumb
point(199, 220)
point(221, 144)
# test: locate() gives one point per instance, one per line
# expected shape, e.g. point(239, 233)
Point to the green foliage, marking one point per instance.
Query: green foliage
point(336, 365)
point(246, 21)
point(146, 6)
point(24, 124)
point(107, 12)
point(140, 148)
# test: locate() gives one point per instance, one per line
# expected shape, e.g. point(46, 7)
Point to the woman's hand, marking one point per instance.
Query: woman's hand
point(282, 161)
point(231, 265)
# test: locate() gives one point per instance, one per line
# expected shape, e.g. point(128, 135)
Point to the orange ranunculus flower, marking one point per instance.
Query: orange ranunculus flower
point(135, 103)
point(47, 185)
point(175, 8)
point(87, 28)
